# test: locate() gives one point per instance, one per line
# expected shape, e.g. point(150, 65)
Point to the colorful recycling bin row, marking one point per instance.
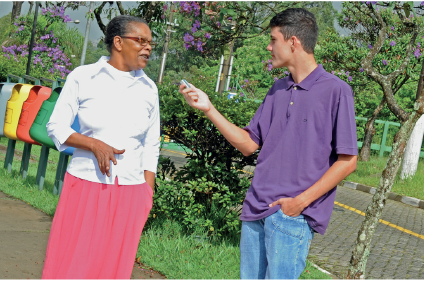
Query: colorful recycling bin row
point(24, 112)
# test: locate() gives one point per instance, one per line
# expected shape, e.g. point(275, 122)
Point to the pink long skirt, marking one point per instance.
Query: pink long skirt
point(96, 230)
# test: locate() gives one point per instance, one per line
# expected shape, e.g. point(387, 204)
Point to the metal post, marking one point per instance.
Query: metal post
point(219, 73)
point(229, 74)
point(42, 167)
point(60, 173)
point(87, 32)
point(25, 160)
point(165, 45)
point(31, 44)
point(9, 155)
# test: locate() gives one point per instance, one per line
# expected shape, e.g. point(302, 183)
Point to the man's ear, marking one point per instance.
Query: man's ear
point(296, 42)
point(117, 43)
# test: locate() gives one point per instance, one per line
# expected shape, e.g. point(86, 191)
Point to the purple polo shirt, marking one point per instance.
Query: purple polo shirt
point(301, 129)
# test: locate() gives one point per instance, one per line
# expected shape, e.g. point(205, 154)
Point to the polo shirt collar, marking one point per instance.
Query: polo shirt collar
point(309, 81)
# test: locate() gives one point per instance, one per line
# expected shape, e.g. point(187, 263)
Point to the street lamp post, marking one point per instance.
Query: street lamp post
point(165, 46)
point(34, 25)
point(87, 32)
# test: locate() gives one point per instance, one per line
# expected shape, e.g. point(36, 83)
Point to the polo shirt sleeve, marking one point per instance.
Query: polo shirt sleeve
point(258, 127)
point(255, 126)
point(63, 115)
point(151, 141)
point(344, 130)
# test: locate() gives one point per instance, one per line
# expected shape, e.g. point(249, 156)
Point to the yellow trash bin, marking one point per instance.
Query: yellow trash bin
point(20, 93)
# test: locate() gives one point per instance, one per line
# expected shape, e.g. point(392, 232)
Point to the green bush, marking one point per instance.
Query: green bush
point(211, 156)
point(248, 63)
point(18, 68)
point(200, 206)
point(206, 192)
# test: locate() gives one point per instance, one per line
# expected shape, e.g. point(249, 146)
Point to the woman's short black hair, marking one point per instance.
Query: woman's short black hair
point(300, 23)
point(118, 26)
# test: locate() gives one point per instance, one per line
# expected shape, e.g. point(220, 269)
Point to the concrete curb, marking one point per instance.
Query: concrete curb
point(392, 196)
point(323, 270)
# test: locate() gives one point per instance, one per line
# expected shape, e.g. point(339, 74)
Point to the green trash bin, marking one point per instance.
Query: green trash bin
point(38, 131)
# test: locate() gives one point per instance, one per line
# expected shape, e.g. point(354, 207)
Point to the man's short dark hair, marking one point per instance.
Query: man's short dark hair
point(118, 26)
point(300, 23)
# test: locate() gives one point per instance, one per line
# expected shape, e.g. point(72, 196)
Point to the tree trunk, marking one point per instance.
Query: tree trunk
point(374, 211)
point(364, 155)
point(413, 150)
point(16, 10)
point(31, 4)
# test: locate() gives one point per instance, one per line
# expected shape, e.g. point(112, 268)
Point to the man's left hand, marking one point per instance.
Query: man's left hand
point(289, 206)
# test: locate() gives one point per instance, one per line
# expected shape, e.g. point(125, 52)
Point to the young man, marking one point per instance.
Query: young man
point(307, 133)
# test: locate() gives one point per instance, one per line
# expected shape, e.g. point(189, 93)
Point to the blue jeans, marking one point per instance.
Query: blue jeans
point(274, 247)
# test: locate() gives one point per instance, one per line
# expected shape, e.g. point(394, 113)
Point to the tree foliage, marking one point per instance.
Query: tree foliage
point(54, 43)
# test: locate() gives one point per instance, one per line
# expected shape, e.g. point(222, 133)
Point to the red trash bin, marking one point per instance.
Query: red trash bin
point(30, 108)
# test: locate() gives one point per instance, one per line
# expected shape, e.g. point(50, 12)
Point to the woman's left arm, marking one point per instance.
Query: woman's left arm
point(151, 145)
point(150, 179)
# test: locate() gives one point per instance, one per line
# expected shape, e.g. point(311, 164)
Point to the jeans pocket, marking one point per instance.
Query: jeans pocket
point(293, 226)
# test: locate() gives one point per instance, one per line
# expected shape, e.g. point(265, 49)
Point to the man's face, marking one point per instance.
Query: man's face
point(281, 52)
point(135, 55)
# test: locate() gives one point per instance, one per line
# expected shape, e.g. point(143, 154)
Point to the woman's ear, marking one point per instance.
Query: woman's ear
point(117, 42)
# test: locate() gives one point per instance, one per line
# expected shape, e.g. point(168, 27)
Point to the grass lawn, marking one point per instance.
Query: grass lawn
point(194, 256)
point(369, 173)
point(162, 246)
point(35, 150)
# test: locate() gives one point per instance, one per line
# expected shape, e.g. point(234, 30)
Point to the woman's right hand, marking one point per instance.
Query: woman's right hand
point(104, 154)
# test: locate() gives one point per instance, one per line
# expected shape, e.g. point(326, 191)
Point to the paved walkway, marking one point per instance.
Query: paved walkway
point(395, 254)
point(24, 232)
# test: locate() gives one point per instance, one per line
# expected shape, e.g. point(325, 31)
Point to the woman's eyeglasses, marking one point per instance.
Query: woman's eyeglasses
point(142, 41)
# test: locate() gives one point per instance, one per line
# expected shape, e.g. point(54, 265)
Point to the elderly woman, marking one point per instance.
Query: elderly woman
point(107, 191)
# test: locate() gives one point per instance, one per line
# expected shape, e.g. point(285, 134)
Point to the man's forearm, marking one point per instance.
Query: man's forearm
point(343, 167)
point(238, 137)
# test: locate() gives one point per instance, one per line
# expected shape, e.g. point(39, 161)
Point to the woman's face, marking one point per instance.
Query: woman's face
point(135, 55)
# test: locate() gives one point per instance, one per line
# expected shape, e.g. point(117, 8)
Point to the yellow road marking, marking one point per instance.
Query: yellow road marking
point(382, 221)
point(174, 151)
point(344, 206)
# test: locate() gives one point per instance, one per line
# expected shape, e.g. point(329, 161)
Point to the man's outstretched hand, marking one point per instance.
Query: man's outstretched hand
point(196, 98)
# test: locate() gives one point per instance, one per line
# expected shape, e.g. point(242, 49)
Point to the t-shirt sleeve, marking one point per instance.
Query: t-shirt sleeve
point(344, 131)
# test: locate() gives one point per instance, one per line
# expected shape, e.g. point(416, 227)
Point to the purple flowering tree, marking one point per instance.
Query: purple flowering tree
point(152, 11)
point(384, 47)
point(216, 27)
point(341, 54)
point(49, 56)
